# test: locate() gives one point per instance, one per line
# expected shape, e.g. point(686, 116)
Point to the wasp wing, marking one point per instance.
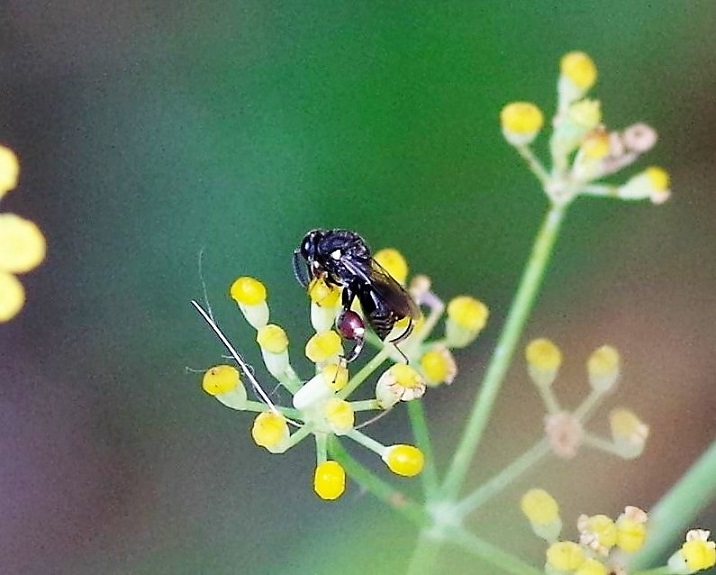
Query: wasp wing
point(395, 295)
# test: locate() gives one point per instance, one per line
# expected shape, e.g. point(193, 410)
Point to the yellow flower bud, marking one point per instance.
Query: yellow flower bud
point(592, 567)
point(339, 415)
point(521, 122)
point(12, 296)
point(698, 552)
point(543, 361)
point(323, 346)
point(603, 368)
point(248, 291)
point(468, 312)
point(392, 261)
point(335, 376)
point(323, 294)
point(9, 170)
point(565, 556)
point(579, 69)
point(400, 382)
point(270, 430)
point(598, 532)
point(438, 366)
point(22, 245)
point(220, 379)
point(405, 460)
point(539, 506)
point(329, 480)
point(631, 529)
point(272, 338)
point(652, 183)
point(629, 433)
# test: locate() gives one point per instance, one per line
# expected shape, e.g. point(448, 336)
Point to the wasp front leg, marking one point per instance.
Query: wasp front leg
point(350, 325)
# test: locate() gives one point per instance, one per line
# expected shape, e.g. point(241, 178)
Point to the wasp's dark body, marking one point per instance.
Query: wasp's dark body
point(343, 258)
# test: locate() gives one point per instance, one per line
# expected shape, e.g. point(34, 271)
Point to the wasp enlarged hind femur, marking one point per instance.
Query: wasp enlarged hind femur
point(355, 298)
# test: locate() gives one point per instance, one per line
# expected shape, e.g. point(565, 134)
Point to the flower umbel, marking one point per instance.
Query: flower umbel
point(321, 406)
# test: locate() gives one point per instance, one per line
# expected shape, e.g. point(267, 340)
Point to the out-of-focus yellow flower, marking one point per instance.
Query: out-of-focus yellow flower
point(9, 170)
point(392, 261)
point(579, 69)
point(521, 122)
point(405, 460)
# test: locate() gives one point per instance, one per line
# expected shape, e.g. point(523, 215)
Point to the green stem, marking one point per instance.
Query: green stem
point(424, 560)
point(503, 479)
point(501, 357)
point(489, 553)
point(364, 372)
point(381, 489)
point(681, 504)
point(419, 423)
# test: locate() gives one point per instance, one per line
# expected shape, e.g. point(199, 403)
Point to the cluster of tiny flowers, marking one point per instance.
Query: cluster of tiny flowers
point(604, 543)
point(582, 149)
point(22, 244)
point(321, 405)
point(565, 429)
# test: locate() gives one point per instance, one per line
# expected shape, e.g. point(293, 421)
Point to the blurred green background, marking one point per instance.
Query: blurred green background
point(149, 130)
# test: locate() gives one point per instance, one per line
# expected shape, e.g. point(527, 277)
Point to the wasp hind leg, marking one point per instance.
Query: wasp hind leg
point(402, 337)
point(351, 327)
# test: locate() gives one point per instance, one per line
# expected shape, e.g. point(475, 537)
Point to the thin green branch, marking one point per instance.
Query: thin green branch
point(381, 489)
point(419, 423)
point(489, 553)
point(364, 372)
point(503, 479)
point(501, 357)
point(671, 516)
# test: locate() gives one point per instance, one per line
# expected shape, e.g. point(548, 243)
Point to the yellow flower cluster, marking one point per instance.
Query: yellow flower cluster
point(564, 429)
point(582, 150)
point(22, 244)
point(601, 539)
point(320, 405)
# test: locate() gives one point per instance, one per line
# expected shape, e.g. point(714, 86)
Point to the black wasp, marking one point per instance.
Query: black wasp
point(342, 258)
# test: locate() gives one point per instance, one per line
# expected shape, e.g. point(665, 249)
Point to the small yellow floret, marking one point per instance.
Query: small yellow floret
point(339, 414)
point(405, 460)
point(521, 122)
point(598, 532)
point(539, 507)
point(468, 313)
point(698, 552)
point(565, 556)
point(220, 379)
point(543, 354)
point(658, 178)
point(580, 69)
point(438, 365)
point(22, 245)
point(392, 261)
point(406, 376)
point(248, 291)
point(9, 170)
point(603, 361)
point(631, 529)
point(12, 296)
point(323, 346)
point(597, 145)
point(329, 480)
point(603, 368)
point(335, 376)
point(586, 113)
point(272, 338)
point(323, 294)
point(269, 430)
point(591, 567)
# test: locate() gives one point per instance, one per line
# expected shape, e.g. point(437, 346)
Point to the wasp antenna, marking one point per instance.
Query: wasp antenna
point(203, 283)
point(244, 366)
